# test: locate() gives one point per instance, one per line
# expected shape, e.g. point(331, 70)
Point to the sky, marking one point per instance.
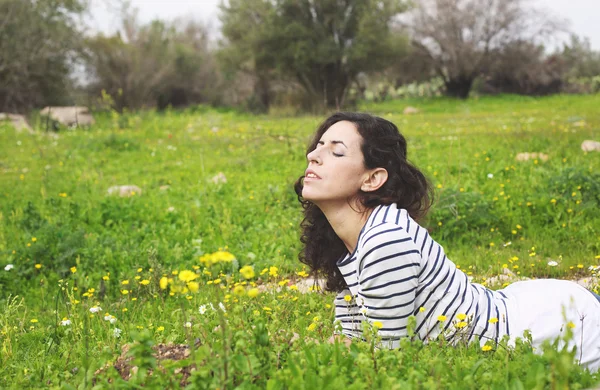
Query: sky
point(582, 15)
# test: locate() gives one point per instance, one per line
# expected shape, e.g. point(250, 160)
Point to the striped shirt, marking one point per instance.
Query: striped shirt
point(396, 271)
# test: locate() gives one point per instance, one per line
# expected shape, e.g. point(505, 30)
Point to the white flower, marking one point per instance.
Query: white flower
point(212, 307)
point(95, 309)
point(202, 309)
point(9, 267)
point(110, 318)
point(65, 322)
point(490, 175)
point(594, 268)
point(552, 263)
point(188, 324)
point(222, 307)
point(117, 332)
point(171, 209)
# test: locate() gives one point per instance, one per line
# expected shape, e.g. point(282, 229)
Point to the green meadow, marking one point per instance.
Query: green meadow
point(204, 258)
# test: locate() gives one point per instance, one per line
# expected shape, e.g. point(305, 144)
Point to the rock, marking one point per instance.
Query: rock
point(411, 110)
point(69, 116)
point(128, 190)
point(219, 178)
point(531, 156)
point(590, 146)
point(18, 121)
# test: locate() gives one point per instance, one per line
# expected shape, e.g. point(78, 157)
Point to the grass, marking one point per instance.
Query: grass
point(72, 247)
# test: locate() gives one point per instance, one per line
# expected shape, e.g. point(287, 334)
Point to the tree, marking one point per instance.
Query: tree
point(461, 36)
point(322, 45)
point(39, 42)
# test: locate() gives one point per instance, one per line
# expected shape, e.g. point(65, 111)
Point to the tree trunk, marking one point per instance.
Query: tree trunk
point(459, 87)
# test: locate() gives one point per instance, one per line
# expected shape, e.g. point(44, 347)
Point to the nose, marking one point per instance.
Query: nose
point(314, 156)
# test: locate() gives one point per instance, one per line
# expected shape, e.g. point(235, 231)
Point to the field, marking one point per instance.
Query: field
point(206, 254)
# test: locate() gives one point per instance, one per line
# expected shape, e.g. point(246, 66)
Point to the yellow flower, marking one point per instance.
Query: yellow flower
point(273, 271)
point(377, 324)
point(486, 348)
point(347, 298)
point(461, 324)
point(217, 281)
point(302, 274)
point(33, 239)
point(137, 277)
point(187, 276)
point(163, 282)
point(193, 286)
point(73, 269)
point(160, 328)
point(461, 316)
point(493, 320)
point(106, 277)
point(253, 292)
point(312, 327)
point(239, 290)
point(62, 194)
point(125, 282)
point(124, 292)
point(442, 318)
point(145, 282)
point(421, 309)
point(247, 272)
point(571, 325)
point(140, 269)
point(38, 266)
point(34, 320)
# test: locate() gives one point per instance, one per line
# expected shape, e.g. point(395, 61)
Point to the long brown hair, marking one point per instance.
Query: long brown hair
point(382, 146)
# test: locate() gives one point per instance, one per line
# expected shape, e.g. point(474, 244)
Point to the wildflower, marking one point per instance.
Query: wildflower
point(217, 281)
point(347, 298)
point(421, 309)
point(65, 322)
point(239, 290)
point(125, 282)
point(9, 267)
point(461, 324)
point(145, 282)
point(442, 318)
point(62, 194)
point(273, 271)
point(188, 324)
point(187, 276)
point(33, 239)
point(486, 348)
point(160, 328)
point(490, 175)
point(140, 269)
point(163, 282)
point(493, 320)
point(461, 316)
point(117, 332)
point(302, 274)
point(571, 325)
point(202, 309)
point(110, 318)
point(552, 263)
point(34, 320)
point(38, 266)
point(377, 324)
point(579, 265)
point(247, 272)
point(193, 286)
point(253, 292)
point(124, 292)
point(106, 277)
point(95, 309)
point(312, 327)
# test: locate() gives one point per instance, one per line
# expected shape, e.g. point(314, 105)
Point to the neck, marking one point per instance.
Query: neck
point(346, 222)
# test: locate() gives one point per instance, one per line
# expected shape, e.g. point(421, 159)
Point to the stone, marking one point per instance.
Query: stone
point(590, 146)
point(125, 191)
point(411, 110)
point(531, 156)
point(69, 116)
point(18, 121)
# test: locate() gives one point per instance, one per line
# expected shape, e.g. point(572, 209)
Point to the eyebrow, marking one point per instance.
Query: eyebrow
point(335, 142)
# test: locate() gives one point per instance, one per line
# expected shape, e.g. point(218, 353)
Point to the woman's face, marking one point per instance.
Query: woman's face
point(336, 168)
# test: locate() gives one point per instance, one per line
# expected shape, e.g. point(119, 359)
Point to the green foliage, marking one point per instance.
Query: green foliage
point(96, 250)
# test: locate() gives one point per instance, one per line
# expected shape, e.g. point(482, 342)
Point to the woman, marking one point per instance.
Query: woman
point(361, 200)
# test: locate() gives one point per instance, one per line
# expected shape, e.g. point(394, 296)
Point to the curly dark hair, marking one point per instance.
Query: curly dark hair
point(382, 146)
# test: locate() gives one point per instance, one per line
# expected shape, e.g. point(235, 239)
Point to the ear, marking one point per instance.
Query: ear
point(377, 177)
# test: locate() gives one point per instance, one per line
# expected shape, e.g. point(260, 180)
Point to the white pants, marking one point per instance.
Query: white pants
point(546, 306)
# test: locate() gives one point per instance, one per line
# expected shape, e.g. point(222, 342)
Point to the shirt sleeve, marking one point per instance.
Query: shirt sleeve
point(388, 275)
point(348, 319)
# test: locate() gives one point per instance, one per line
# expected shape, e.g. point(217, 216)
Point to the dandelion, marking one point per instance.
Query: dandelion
point(421, 309)
point(33, 239)
point(377, 325)
point(302, 274)
point(38, 266)
point(239, 290)
point(461, 316)
point(34, 320)
point(95, 309)
point(163, 282)
point(117, 332)
point(9, 267)
point(571, 325)
point(486, 348)
point(193, 286)
point(217, 281)
point(461, 324)
point(187, 276)
point(202, 309)
point(493, 320)
point(253, 292)
point(247, 272)
point(312, 327)
point(65, 322)
point(347, 298)
point(552, 263)
point(579, 265)
point(442, 318)
point(273, 271)
point(160, 328)
point(124, 292)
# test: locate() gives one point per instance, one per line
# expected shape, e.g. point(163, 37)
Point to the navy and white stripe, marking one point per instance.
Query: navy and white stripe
point(397, 270)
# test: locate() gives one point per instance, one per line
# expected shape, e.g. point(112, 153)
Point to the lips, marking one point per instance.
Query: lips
point(310, 174)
